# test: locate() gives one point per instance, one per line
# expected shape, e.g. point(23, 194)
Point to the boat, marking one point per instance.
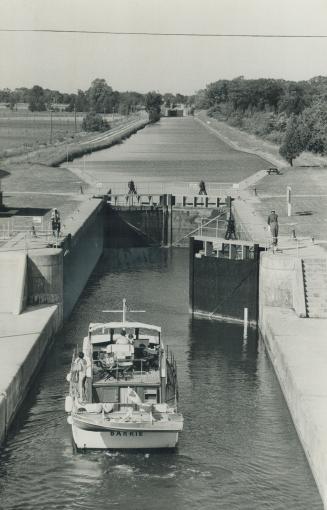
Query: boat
point(128, 397)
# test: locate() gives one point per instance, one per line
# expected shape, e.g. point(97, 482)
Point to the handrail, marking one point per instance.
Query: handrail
point(200, 227)
point(162, 187)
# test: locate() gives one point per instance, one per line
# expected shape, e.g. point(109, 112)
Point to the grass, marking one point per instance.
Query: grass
point(20, 132)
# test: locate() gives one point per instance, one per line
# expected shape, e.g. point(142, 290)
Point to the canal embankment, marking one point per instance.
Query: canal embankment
point(292, 282)
point(40, 285)
point(54, 155)
point(248, 143)
point(297, 349)
point(253, 205)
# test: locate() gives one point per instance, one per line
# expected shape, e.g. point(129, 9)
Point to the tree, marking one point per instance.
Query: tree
point(295, 98)
point(79, 102)
point(13, 101)
point(37, 99)
point(99, 96)
point(314, 126)
point(293, 143)
point(153, 101)
point(94, 122)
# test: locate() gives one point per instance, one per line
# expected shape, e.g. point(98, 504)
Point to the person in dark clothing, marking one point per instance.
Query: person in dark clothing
point(55, 222)
point(202, 188)
point(131, 188)
point(230, 231)
point(273, 225)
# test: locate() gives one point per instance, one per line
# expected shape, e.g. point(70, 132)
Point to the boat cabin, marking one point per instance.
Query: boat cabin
point(122, 357)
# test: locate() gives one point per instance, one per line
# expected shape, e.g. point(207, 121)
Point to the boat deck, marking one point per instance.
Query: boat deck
point(152, 378)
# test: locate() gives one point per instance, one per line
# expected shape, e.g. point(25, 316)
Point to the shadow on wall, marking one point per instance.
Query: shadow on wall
point(45, 277)
point(133, 228)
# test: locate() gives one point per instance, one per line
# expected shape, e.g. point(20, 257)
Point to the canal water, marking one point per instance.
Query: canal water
point(238, 451)
point(171, 150)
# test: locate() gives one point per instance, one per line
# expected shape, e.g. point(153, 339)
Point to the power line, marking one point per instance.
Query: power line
point(166, 34)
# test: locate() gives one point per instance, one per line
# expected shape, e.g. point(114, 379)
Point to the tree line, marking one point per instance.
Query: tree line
point(292, 114)
point(98, 98)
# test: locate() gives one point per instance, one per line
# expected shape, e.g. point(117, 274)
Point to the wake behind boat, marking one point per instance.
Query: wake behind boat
point(123, 388)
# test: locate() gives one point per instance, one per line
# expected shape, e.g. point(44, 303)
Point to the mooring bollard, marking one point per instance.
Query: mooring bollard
point(245, 325)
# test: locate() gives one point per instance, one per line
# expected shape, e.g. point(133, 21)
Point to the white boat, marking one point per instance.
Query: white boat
point(129, 396)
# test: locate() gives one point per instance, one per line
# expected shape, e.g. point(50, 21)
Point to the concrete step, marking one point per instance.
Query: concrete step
point(315, 290)
point(315, 264)
point(315, 272)
point(314, 260)
point(316, 295)
point(322, 281)
point(321, 291)
point(316, 309)
point(319, 284)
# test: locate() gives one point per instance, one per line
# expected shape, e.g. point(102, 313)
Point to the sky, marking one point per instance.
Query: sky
point(69, 62)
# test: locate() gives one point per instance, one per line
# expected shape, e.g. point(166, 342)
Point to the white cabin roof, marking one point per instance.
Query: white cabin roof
point(121, 325)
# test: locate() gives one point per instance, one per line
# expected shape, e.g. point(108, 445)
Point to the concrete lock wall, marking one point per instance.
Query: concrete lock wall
point(45, 277)
point(13, 287)
point(55, 279)
point(297, 350)
point(82, 250)
point(126, 228)
point(21, 357)
point(223, 288)
point(281, 283)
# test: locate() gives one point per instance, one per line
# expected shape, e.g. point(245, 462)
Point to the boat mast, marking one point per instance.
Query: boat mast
point(124, 310)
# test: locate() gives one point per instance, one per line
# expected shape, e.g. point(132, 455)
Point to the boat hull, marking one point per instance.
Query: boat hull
point(123, 439)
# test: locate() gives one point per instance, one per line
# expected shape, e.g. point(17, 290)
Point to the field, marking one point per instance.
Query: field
point(26, 131)
point(21, 132)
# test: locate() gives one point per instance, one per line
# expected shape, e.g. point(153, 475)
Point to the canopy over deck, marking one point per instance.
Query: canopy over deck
point(95, 326)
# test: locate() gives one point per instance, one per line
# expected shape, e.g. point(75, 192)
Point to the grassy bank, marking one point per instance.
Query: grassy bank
point(70, 146)
point(248, 142)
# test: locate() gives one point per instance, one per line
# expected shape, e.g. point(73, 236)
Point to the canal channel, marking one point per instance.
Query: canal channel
point(239, 449)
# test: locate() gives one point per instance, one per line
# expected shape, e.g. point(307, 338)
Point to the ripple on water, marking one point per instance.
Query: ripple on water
point(239, 449)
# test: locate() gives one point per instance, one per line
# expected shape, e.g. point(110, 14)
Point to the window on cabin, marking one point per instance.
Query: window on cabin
point(105, 394)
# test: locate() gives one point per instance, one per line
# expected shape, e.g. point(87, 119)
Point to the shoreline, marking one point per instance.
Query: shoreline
point(245, 142)
point(55, 155)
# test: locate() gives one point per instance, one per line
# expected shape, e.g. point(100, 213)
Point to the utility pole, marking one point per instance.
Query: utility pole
point(75, 123)
point(50, 123)
point(289, 200)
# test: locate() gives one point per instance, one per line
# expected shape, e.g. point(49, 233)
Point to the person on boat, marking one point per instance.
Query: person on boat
point(122, 338)
point(79, 371)
point(130, 338)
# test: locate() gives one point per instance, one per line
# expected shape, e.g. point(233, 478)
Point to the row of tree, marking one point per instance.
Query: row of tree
point(292, 113)
point(99, 98)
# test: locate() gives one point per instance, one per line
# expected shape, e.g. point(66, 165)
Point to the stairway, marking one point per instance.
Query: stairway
point(315, 286)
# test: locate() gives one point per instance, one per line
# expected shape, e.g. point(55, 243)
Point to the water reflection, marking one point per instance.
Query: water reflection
point(239, 449)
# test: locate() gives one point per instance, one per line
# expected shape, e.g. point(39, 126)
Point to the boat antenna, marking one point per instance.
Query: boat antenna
point(124, 310)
